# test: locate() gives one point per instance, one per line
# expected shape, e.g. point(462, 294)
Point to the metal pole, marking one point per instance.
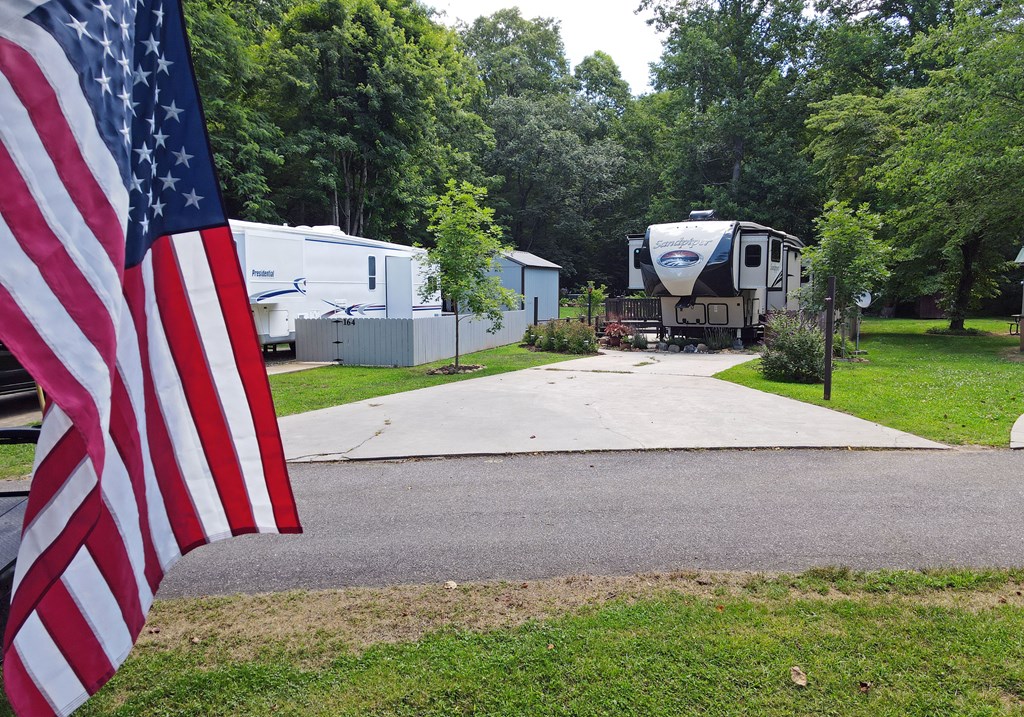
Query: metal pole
point(590, 301)
point(41, 397)
point(830, 315)
point(536, 309)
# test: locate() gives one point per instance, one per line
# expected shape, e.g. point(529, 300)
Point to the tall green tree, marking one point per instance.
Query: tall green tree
point(461, 264)
point(734, 74)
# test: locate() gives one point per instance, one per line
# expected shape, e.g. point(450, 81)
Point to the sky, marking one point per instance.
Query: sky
point(610, 25)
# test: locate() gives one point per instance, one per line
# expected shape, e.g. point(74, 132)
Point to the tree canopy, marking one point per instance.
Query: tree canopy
point(358, 112)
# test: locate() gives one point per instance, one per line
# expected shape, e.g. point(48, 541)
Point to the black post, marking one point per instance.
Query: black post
point(830, 315)
point(590, 305)
point(536, 309)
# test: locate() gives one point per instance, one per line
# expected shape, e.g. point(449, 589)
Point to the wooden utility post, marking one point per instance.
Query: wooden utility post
point(830, 317)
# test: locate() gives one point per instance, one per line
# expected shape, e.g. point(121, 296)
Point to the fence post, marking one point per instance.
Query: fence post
point(830, 315)
point(536, 310)
point(590, 305)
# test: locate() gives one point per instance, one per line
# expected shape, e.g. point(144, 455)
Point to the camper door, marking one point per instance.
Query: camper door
point(753, 261)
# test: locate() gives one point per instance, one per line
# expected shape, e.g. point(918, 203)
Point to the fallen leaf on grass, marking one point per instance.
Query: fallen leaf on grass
point(798, 676)
point(550, 646)
point(865, 687)
point(451, 585)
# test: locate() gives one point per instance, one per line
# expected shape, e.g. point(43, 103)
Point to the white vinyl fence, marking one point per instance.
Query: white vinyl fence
point(400, 342)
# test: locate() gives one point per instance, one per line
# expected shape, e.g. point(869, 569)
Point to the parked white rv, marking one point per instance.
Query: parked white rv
point(711, 273)
point(322, 272)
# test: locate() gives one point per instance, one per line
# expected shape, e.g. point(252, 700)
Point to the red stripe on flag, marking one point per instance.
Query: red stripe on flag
point(74, 637)
point(200, 390)
point(108, 551)
point(53, 472)
point(188, 530)
point(39, 99)
point(124, 432)
point(22, 692)
point(227, 277)
point(40, 360)
point(51, 563)
point(33, 234)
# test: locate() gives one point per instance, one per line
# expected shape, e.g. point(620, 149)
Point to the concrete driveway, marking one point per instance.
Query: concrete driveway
point(616, 401)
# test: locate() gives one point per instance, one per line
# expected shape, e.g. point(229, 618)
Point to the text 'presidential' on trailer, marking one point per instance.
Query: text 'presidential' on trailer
point(707, 272)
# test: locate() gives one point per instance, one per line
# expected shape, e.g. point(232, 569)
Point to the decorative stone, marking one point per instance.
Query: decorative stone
point(673, 349)
point(689, 349)
point(702, 348)
point(662, 346)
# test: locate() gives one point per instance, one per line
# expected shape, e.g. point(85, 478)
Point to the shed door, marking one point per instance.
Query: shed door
point(398, 283)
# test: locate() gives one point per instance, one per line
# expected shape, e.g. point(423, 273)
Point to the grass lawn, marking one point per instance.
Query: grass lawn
point(952, 389)
point(680, 644)
point(334, 385)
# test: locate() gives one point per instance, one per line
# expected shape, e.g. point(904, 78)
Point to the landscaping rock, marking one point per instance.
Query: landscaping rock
point(702, 348)
point(662, 346)
point(673, 349)
point(689, 349)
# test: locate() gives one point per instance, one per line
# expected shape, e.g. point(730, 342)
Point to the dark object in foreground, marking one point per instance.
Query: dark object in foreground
point(13, 377)
point(452, 369)
point(12, 514)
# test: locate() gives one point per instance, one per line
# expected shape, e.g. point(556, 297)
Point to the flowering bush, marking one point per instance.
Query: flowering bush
point(617, 331)
point(562, 337)
point(794, 350)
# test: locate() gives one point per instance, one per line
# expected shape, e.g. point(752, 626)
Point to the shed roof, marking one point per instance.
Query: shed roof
point(525, 258)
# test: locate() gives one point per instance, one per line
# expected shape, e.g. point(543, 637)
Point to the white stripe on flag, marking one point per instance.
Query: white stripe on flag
point(98, 606)
point(47, 666)
point(213, 333)
point(28, 288)
point(119, 497)
point(64, 80)
point(52, 198)
point(130, 367)
point(188, 449)
point(55, 425)
point(51, 521)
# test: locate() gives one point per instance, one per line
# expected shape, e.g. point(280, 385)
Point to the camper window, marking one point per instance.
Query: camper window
point(776, 251)
point(752, 256)
point(373, 272)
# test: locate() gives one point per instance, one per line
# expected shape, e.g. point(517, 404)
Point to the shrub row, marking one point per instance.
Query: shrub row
point(562, 337)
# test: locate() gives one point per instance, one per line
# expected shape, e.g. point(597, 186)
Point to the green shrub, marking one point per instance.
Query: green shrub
point(717, 338)
point(570, 337)
point(794, 350)
point(640, 342)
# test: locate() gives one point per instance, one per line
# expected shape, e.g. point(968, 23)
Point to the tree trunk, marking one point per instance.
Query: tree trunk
point(737, 165)
point(455, 306)
point(965, 284)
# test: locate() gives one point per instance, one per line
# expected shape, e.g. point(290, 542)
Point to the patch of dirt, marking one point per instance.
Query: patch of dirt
point(451, 369)
point(316, 626)
point(1012, 354)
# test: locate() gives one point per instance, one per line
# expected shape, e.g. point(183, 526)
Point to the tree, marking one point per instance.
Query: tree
point(846, 249)
point(459, 266)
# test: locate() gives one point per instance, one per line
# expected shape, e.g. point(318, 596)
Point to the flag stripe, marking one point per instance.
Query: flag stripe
point(51, 472)
point(47, 116)
point(227, 277)
point(187, 352)
point(125, 434)
point(203, 299)
point(44, 662)
point(51, 60)
point(98, 606)
point(32, 233)
point(85, 656)
point(184, 434)
point(36, 354)
point(22, 693)
point(185, 528)
point(114, 564)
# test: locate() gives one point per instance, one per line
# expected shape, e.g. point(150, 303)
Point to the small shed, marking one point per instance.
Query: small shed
point(533, 277)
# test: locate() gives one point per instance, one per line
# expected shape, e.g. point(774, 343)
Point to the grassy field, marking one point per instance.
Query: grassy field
point(952, 389)
point(335, 385)
point(679, 644)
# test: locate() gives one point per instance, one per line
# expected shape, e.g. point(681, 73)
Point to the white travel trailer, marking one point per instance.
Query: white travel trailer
point(322, 272)
point(711, 273)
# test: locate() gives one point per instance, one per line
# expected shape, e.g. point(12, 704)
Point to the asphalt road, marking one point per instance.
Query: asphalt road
point(529, 517)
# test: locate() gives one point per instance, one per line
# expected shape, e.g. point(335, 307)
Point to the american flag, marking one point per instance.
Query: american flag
point(120, 291)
